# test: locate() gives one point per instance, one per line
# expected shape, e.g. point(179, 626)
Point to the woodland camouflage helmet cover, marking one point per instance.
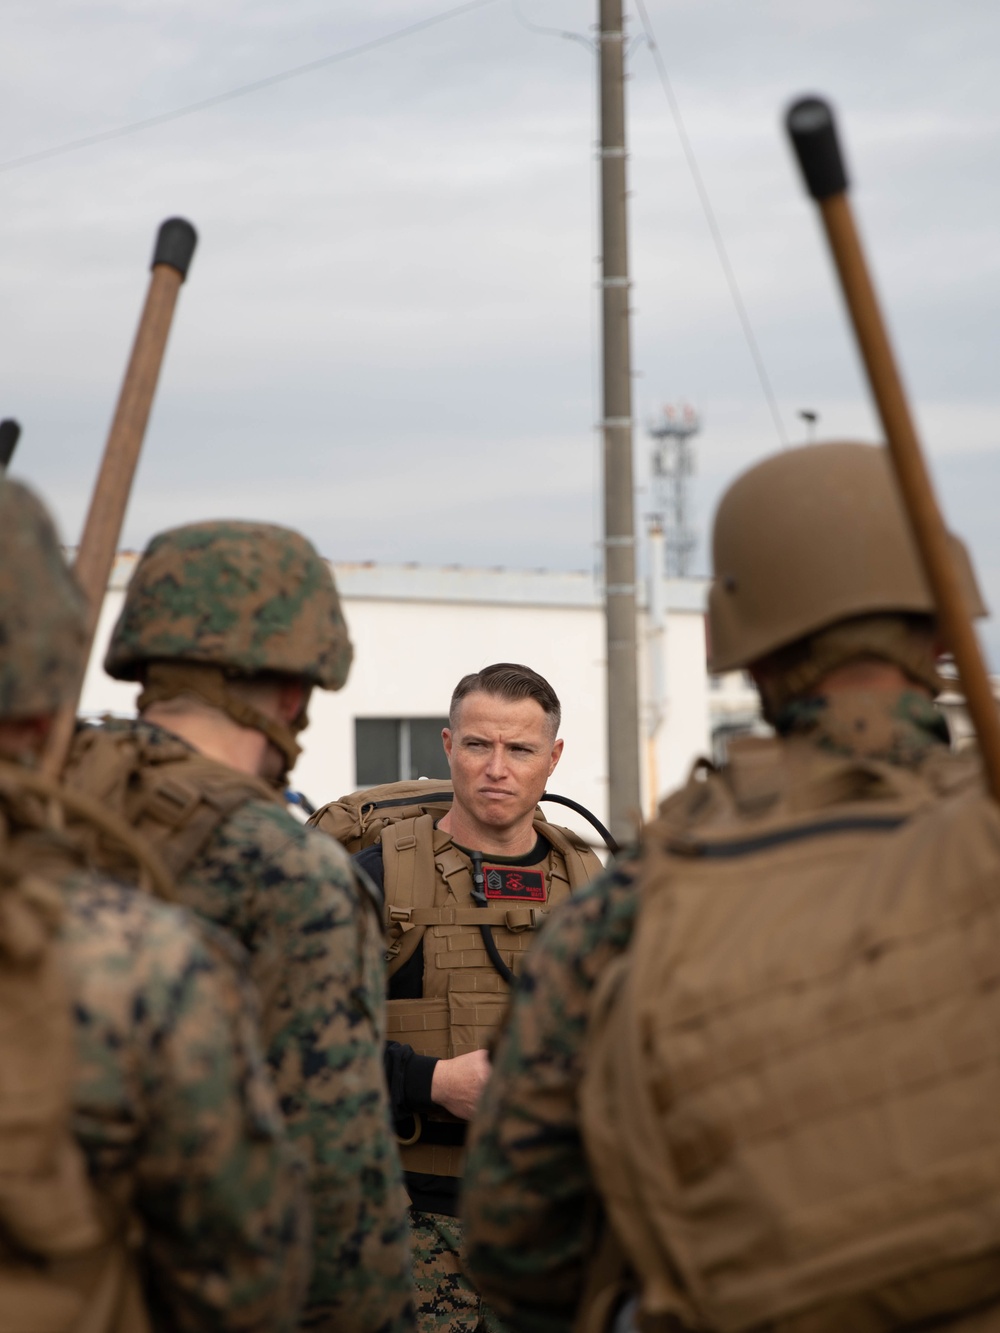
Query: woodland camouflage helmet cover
point(42, 610)
point(248, 597)
point(808, 538)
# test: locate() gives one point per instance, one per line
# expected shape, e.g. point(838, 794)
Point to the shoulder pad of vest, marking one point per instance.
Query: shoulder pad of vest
point(357, 820)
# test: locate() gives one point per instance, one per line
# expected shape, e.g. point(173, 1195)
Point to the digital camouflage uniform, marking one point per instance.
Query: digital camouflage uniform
point(176, 1115)
point(260, 598)
point(185, 1162)
point(532, 1212)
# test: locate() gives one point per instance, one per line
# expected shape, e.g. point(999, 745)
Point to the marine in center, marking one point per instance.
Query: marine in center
point(465, 891)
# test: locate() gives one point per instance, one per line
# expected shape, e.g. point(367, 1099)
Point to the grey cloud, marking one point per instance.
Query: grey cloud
point(389, 329)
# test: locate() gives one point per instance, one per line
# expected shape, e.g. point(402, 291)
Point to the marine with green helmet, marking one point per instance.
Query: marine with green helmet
point(717, 1100)
point(227, 626)
point(143, 1160)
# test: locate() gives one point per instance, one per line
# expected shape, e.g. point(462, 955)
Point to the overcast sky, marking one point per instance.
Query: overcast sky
point(388, 336)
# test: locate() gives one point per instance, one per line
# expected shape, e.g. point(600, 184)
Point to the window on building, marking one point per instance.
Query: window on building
point(395, 749)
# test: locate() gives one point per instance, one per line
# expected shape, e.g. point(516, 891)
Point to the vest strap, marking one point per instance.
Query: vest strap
point(514, 918)
point(408, 875)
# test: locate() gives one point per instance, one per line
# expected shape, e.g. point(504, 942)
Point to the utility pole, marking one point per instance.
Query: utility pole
point(624, 802)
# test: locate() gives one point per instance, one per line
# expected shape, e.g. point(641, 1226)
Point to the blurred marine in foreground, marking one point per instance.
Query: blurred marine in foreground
point(749, 1077)
point(228, 626)
point(145, 1179)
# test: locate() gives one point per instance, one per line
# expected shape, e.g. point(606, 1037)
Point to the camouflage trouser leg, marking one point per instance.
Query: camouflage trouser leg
point(446, 1301)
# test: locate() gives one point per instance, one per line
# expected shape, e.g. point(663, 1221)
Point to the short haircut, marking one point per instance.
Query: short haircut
point(509, 680)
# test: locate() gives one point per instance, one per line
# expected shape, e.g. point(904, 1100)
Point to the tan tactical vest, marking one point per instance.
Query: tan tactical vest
point(428, 892)
point(428, 889)
point(172, 796)
point(66, 1262)
point(792, 1075)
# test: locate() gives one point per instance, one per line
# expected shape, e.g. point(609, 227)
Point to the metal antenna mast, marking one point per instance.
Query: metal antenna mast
point(672, 466)
point(624, 802)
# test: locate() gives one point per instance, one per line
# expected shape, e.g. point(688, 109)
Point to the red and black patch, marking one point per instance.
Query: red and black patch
point(514, 884)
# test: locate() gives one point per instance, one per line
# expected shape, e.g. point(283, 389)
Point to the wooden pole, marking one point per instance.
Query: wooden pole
point(624, 803)
point(175, 245)
point(814, 136)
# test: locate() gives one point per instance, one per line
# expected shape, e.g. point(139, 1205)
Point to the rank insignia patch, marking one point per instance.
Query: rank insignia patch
point(514, 884)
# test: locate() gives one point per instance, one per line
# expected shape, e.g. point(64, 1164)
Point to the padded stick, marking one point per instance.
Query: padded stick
point(10, 433)
point(813, 132)
point(814, 137)
point(175, 242)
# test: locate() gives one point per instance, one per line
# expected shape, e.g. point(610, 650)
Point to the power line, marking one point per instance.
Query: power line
point(244, 90)
point(551, 32)
point(713, 225)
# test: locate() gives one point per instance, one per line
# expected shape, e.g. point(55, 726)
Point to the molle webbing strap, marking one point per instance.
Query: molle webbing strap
point(170, 680)
point(513, 918)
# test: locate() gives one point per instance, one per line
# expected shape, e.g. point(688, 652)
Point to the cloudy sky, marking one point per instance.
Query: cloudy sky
point(388, 337)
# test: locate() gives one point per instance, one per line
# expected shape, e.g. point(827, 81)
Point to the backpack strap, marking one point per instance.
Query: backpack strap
point(582, 863)
point(409, 878)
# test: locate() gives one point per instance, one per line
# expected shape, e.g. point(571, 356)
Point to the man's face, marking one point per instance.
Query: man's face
point(501, 752)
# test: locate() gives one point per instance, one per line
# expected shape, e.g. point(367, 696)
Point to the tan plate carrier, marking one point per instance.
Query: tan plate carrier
point(428, 890)
point(792, 1075)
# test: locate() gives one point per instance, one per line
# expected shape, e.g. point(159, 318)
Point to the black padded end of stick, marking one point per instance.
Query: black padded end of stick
point(175, 242)
point(813, 133)
point(10, 433)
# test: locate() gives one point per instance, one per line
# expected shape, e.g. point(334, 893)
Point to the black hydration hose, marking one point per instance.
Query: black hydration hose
point(479, 898)
point(589, 816)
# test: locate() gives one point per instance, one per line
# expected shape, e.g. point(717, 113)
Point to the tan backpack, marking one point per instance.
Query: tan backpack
point(792, 1075)
point(357, 820)
point(65, 1266)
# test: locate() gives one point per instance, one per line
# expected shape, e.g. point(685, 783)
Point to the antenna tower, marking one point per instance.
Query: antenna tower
point(671, 468)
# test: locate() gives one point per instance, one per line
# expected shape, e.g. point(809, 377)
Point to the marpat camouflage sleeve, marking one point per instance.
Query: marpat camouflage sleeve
point(316, 945)
point(530, 1213)
point(177, 1117)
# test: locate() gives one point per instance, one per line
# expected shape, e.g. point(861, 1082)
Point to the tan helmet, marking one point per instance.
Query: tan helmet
point(42, 610)
point(810, 537)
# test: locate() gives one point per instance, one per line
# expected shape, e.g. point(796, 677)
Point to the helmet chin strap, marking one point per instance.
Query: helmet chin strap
point(209, 683)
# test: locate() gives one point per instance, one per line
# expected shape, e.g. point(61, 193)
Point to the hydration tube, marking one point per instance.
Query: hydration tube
point(591, 819)
point(479, 898)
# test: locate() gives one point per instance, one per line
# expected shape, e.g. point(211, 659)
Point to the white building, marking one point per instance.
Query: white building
point(417, 630)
